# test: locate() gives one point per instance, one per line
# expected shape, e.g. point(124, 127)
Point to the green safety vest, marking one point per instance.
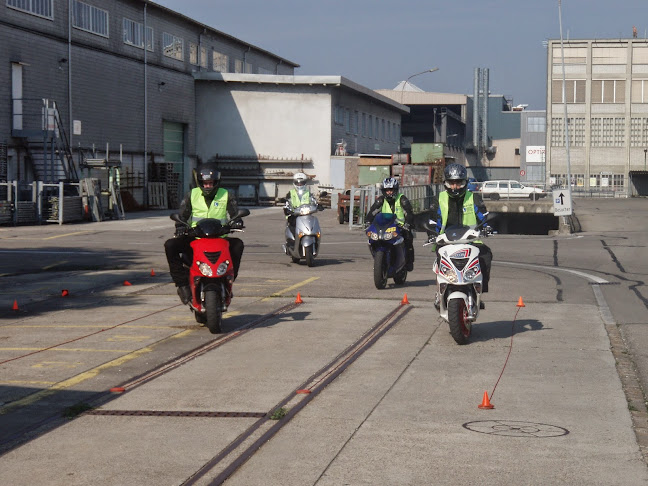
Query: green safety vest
point(469, 217)
point(295, 201)
point(217, 209)
point(398, 209)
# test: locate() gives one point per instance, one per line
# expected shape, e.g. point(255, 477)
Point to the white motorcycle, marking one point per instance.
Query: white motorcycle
point(459, 278)
point(305, 241)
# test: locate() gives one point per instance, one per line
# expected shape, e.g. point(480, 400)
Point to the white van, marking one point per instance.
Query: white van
point(509, 189)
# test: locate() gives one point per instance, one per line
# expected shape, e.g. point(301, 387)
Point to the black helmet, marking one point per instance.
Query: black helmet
point(389, 184)
point(208, 178)
point(456, 173)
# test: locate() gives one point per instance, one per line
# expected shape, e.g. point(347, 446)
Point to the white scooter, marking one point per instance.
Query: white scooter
point(459, 278)
point(305, 242)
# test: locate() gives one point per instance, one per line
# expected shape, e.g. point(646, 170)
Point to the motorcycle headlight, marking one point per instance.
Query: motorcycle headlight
point(222, 268)
point(388, 236)
point(205, 269)
point(448, 273)
point(373, 236)
point(471, 272)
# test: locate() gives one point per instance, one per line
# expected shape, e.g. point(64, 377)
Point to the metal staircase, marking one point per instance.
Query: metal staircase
point(37, 123)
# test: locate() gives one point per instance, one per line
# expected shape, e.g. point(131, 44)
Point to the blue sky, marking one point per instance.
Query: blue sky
point(378, 43)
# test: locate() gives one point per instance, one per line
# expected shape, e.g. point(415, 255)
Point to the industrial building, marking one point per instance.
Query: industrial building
point(605, 107)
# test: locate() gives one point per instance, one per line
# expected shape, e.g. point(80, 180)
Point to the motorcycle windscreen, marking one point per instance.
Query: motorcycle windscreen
point(382, 220)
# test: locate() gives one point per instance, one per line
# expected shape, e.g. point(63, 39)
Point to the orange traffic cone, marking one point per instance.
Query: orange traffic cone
point(64, 293)
point(15, 305)
point(152, 273)
point(126, 282)
point(404, 301)
point(486, 402)
point(299, 300)
point(520, 303)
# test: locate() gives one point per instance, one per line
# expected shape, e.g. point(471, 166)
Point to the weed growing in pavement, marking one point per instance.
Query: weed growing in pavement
point(279, 414)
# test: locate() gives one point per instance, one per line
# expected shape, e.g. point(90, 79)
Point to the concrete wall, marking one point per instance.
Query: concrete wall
point(278, 121)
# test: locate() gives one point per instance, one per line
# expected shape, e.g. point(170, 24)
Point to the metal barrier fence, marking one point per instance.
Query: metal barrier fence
point(37, 202)
point(362, 198)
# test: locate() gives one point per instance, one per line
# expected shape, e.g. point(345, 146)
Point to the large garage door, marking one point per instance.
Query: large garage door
point(174, 155)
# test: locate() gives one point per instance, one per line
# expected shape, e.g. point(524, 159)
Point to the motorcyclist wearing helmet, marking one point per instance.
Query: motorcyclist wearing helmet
point(393, 202)
point(206, 200)
point(297, 196)
point(458, 206)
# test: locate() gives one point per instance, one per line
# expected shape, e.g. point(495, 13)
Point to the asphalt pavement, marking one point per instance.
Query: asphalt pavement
point(393, 399)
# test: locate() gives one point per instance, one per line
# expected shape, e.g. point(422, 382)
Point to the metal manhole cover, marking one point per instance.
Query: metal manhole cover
point(512, 428)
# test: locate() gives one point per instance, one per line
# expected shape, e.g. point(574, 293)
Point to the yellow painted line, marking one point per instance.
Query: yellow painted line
point(24, 382)
point(292, 287)
point(70, 349)
point(56, 265)
point(80, 378)
point(67, 234)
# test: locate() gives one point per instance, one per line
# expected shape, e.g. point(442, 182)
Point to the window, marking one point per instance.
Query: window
point(356, 123)
point(238, 66)
point(370, 126)
point(536, 124)
point(134, 35)
point(172, 46)
point(347, 120)
point(364, 124)
point(639, 132)
point(608, 91)
point(220, 62)
point(573, 55)
point(607, 132)
point(193, 53)
point(639, 91)
point(576, 127)
point(574, 91)
point(609, 55)
point(89, 18)
point(203, 57)
point(42, 8)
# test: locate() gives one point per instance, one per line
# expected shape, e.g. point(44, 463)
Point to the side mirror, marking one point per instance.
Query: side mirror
point(242, 213)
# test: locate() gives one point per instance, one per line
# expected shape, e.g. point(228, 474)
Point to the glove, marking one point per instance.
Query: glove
point(406, 226)
point(488, 230)
point(237, 224)
point(287, 211)
point(180, 230)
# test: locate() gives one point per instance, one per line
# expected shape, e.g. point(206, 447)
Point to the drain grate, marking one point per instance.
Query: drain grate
point(174, 413)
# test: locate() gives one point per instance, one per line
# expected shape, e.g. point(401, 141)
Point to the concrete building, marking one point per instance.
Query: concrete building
point(114, 74)
point(532, 146)
point(261, 129)
point(606, 100)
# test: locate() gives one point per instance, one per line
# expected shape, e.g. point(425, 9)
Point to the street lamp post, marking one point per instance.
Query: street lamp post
point(645, 152)
point(431, 70)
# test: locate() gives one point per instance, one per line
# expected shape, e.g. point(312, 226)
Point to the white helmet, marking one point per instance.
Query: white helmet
point(299, 180)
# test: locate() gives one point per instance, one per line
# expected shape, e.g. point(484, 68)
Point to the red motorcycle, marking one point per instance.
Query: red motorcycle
point(211, 272)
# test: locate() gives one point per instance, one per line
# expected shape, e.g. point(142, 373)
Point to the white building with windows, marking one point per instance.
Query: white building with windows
point(606, 95)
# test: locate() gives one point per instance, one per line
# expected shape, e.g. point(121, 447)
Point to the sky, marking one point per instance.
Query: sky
point(379, 43)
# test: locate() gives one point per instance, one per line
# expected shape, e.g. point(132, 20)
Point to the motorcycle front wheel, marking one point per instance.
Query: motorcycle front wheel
point(380, 269)
point(459, 325)
point(310, 258)
point(213, 311)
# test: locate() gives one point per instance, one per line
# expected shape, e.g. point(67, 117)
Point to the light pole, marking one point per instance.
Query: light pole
point(431, 70)
point(645, 152)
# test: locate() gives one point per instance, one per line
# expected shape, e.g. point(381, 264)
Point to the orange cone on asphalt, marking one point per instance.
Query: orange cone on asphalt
point(64, 293)
point(15, 305)
point(520, 303)
point(404, 301)
point(299, 300)
point(152, 273)
point(126, 282)
point(486, 402)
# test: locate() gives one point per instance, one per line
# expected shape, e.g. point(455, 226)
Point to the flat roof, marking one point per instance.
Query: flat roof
point(423, 97)
point(277, 79)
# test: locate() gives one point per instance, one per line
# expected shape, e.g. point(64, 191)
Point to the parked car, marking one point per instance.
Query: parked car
point(509, 189)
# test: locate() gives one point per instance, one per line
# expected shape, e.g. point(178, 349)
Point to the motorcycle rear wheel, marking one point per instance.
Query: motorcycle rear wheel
point(459, 325)
point(213, 311)
point(380, 270)
point(310, 258)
